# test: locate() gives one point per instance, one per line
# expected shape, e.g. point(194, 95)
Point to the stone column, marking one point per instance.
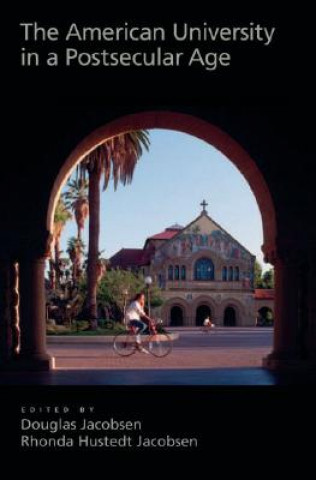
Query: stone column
point(289, 347)
point(32, 355)
point(311, 305)
point(9, 313)
point(14, 310)
point(5, 330)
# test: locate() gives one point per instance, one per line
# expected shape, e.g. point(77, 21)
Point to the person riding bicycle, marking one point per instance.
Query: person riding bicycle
point(136, 317)
point(208, 323)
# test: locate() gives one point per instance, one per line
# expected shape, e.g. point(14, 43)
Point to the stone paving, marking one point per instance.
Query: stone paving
point(179, 358)
point(200, 351)
point(229, 357)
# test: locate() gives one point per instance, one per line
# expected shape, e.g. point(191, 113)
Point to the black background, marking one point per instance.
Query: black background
point(277, 73)
point(243, 428)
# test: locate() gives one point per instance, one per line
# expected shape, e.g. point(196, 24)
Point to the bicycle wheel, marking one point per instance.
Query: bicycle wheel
point(205, 330)
point(124, 344)
point(160, 345)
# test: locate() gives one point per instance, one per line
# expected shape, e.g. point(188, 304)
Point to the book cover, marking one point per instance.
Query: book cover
point(157, 166)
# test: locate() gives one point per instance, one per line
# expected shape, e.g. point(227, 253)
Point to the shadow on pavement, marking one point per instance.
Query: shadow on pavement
point(216, 376)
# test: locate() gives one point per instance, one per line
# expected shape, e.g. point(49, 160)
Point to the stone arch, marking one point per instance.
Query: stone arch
point(32, 270)
point(230, 316)
point(183, 123)
point(176, 316)
point(175, 302)
point(264, 314)
point(288, 255)
point(239, 308)
point(259, 304)
point(202, 312)
point(207, 301)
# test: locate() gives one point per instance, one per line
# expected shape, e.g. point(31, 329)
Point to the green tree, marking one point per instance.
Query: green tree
point(258, 275)
point(61, 217)
point(75, 250)
point(117, 156)
point(115, 283)
point(268, 279)
point(76, 199)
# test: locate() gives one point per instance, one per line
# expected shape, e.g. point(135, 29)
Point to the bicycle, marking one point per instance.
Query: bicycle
point(159, 343)
point(208, 328)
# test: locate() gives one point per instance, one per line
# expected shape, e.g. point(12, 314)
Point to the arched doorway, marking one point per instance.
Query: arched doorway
point(196, 127)
point(183, 123)
point(33, 272)
point(202, 312)
point(176, 316)
point(265, 317)
point(229, 317)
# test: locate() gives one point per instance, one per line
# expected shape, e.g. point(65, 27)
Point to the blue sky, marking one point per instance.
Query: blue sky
point(170, 181)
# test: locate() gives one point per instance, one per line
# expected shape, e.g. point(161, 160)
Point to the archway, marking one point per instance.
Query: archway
point(176, 316)
point(265, 317)
point(229, 317)
point(199, 129)
point(183, 123)
point(32, 273)
point(202, 312)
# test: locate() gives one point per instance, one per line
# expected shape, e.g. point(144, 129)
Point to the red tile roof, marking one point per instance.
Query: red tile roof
point(127, 257)
point(264, 294)
point(135, 257)
point(166, 235)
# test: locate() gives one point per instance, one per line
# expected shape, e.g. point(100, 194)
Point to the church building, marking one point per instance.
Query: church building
point(202, 271)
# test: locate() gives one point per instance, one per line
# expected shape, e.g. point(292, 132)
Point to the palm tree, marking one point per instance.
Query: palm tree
point(117, 156)
point(61, 217)
point(75, 250)
point(76, 199)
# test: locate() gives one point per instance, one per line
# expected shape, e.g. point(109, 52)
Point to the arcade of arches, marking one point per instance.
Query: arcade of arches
point(228, 315)
point(26, 231)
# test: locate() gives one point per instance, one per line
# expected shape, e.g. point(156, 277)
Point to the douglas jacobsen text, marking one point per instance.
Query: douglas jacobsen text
point(87, 433)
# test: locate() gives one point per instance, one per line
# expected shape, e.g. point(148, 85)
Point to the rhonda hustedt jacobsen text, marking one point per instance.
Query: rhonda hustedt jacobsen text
point(89, 434)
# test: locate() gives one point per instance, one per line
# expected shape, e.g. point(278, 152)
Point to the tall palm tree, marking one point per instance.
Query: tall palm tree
point(75, 250)
point(117, 156)
point(61, 217)
point(76, 199)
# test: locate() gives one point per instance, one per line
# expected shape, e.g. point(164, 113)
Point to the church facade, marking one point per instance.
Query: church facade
point(202, 271)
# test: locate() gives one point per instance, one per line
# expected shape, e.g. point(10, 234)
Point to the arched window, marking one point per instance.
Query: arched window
point(176, 272)
point(224, 274)
point(170, 272)
point(230, 274)
point(183, 272)
point(204, 269)
point(236, 274)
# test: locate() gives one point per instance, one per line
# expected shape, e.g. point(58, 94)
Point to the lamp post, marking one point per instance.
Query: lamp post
point(125, 293)
point(148, 282)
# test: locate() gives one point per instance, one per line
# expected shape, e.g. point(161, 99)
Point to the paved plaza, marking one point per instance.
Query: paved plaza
point(195, 349)
point(226, 356)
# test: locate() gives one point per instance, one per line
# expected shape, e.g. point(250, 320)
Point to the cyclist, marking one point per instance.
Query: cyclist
point(207, 324)
point(136, 317)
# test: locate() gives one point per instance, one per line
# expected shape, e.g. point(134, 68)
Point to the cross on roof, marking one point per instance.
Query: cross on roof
point(204, 205)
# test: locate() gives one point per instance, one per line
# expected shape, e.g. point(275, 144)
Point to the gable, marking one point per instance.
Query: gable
point(203, 234)
point(127, 257)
